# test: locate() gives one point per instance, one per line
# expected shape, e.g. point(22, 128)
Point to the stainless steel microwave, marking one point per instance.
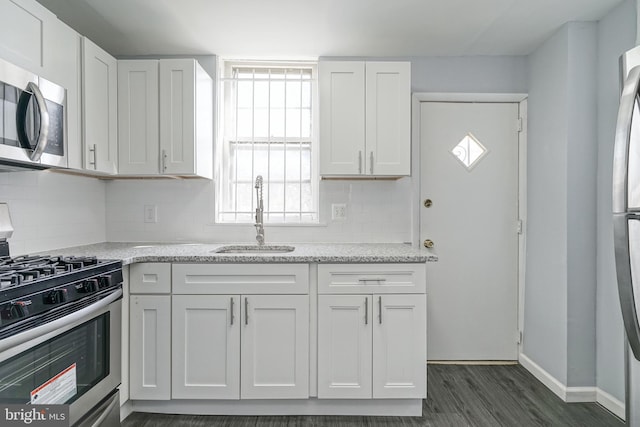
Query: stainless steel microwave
point(32, 121)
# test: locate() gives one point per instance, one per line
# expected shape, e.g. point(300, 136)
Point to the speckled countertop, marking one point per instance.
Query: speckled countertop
point(131, 253)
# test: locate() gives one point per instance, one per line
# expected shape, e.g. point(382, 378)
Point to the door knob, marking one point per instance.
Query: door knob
point(427, 203)
point(428, 244)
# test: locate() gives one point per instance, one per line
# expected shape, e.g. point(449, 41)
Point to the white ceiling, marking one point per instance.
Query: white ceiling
point(311, 28)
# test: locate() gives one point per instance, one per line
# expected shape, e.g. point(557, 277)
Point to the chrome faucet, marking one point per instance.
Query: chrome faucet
point(259, 212)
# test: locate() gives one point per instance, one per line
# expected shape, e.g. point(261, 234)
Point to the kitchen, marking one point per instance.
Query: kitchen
point(569, 265)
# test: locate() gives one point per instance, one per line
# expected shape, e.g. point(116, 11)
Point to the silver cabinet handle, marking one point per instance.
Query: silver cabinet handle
point(371, 164)
point(164, 160)
point(360, 161)
point(94, 150)
point(373, 279)
point(246, 311)
point(231, 309)
point(366, 311)
point(43, 132)
point(380, 310)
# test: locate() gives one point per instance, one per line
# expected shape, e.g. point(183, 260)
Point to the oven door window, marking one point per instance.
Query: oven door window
point(86, 346)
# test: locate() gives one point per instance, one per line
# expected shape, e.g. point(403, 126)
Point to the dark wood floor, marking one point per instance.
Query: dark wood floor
point(459, 395)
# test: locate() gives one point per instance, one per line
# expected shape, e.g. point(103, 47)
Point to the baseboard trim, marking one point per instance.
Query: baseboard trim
point(125, 410)
point(611, 404)
point(574, 394)
point(544, 377)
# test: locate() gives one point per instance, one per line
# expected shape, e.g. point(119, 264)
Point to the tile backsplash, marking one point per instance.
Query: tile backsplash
point(51, 210)
point(377, 211)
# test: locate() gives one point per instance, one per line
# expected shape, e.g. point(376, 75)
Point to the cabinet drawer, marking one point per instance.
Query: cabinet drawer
point(150, 278)
point(240, 278)
point(371, 278)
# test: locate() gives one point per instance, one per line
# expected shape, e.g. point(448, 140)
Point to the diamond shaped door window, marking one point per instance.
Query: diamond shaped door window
point(469, 151)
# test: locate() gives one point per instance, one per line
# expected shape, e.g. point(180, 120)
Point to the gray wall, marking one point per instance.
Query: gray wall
point(581, 204)
point(545, 312)
point(616, 34)
point(572, 326)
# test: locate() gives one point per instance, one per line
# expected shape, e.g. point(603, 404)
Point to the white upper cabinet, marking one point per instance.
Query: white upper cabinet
point(365, 118)
point(138, 126)
point(99, 96)
point(342, 129)
point(24, 28)
point(165, 118)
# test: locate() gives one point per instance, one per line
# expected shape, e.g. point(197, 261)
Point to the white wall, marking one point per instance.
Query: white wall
point(378, 211)
point(51, 210)
point(616, 34)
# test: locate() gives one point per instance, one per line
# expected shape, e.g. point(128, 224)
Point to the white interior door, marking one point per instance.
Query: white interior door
point(469, 165)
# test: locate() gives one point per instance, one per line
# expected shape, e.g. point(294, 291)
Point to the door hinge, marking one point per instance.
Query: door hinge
point(519, 124)
point(519, 339)
point(519, 226)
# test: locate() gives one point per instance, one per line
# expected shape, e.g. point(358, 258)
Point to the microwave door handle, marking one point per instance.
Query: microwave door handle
point(623, 140)
point(43, 134)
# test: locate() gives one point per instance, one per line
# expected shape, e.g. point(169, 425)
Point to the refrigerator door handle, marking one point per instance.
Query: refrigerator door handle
point(625, 279)
point(623, 140)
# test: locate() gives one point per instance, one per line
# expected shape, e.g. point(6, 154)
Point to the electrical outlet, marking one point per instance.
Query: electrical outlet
point(338, 211)
point(151, 213)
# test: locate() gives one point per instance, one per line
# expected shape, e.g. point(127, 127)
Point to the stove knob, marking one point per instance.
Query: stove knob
point(88, 286)
point(105, 281)
point(19, 309)
point(56, 296)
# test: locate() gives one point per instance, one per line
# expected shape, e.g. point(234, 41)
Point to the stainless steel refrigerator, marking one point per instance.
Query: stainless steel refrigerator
point(626, 223)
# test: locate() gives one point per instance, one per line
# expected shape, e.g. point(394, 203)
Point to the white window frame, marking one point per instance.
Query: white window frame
point(223, 143)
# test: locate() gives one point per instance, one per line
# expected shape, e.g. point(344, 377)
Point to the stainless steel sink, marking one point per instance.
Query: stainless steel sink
point(254, 249)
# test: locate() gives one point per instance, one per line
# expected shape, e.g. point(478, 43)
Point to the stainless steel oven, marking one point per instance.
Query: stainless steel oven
point(60, 338)
point(32, 120)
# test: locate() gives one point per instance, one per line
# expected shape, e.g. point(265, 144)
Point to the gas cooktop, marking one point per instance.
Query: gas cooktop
point(33, 285)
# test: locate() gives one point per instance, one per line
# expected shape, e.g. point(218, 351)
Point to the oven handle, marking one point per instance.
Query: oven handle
point(39, 331)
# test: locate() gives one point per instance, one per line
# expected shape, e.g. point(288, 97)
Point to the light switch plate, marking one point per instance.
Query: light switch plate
point(338, 211)
point(150, 213)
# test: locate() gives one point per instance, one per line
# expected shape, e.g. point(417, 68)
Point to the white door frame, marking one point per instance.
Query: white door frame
point(521, 99)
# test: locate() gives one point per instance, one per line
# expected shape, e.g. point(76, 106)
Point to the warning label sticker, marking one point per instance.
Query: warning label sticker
point(58, 389)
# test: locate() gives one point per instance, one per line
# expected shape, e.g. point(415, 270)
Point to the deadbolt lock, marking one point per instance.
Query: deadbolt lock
point(428, 244)
point(427, 203)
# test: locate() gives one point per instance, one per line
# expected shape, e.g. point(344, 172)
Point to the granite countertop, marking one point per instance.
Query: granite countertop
point(131, 253)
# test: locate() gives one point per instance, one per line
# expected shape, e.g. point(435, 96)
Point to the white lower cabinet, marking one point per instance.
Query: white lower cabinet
point(275, 347)
point(372, 331)
point(206, 347)
point(399, 346)
point(371, 346)
point(240, 346)
point(150, 347)
point(344, 346)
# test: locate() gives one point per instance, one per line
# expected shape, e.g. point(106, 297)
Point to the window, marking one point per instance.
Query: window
point(267, 128)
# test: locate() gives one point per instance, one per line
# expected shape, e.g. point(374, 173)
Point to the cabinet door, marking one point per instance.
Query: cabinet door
point(342, 129)
point(24, 27)
point(275, 347)
point(100, 79)
point(388, 118)
point(177, 120)
point(150, 347)
point(63, 53)
point(206, 347)
point(138, 131)
point(399, 346)
point(344, 346)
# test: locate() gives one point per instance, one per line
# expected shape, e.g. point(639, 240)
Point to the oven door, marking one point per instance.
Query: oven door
point(72, 360)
